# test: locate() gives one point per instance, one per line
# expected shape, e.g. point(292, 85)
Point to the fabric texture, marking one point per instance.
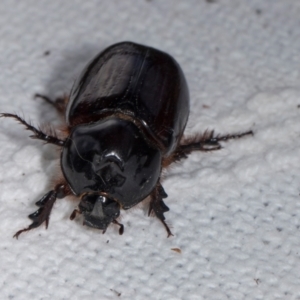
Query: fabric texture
point(235, 213)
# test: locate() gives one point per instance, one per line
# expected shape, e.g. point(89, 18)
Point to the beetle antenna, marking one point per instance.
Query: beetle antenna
point(121, 229)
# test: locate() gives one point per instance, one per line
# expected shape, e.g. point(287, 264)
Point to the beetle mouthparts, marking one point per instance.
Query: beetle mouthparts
point(99, 211)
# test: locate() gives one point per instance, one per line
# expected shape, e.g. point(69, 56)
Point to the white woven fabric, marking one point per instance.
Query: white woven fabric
point(234, 213)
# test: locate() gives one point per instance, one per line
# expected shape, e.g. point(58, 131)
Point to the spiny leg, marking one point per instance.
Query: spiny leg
point(158, 207)
point(227, 137)
point(205, 142)
point(59, 103)
point(45, 205)
point(37, 133)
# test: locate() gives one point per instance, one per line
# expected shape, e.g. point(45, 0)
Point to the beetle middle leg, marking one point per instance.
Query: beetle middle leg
point(59, 103)
point(158, 207)
point(37, 133)
point(45, 205)
point(206, 142)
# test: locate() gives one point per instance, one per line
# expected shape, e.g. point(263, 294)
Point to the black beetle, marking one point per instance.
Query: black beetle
point(125, 119)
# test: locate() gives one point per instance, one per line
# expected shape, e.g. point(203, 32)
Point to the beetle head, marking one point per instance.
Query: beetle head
point(98, 211)
point(113, 157)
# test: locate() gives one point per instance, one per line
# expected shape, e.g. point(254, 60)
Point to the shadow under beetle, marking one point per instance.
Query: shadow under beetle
point(125, 118)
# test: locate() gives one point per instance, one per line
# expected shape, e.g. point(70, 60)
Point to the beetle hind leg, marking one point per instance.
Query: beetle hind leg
point(158, 207)
point(59, 103)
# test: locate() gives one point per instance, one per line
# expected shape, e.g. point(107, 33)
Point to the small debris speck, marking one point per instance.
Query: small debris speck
point(117, 293)
point(178, 250)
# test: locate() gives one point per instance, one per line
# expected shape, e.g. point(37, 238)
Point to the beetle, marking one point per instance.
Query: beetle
point(125, 118)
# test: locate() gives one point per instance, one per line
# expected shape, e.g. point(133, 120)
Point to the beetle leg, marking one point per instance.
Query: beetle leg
point(205, 142)
point(158, 207)
point(59, 103)
point(45, 205)
point(38, 134)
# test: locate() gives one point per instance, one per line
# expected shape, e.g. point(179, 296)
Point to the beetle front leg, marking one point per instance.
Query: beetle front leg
point(45, 205)
point(158, 207)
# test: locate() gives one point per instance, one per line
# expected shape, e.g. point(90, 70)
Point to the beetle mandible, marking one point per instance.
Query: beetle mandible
point(125, 118)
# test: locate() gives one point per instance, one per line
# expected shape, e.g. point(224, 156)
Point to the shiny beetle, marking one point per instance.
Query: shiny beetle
point(125, 118)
